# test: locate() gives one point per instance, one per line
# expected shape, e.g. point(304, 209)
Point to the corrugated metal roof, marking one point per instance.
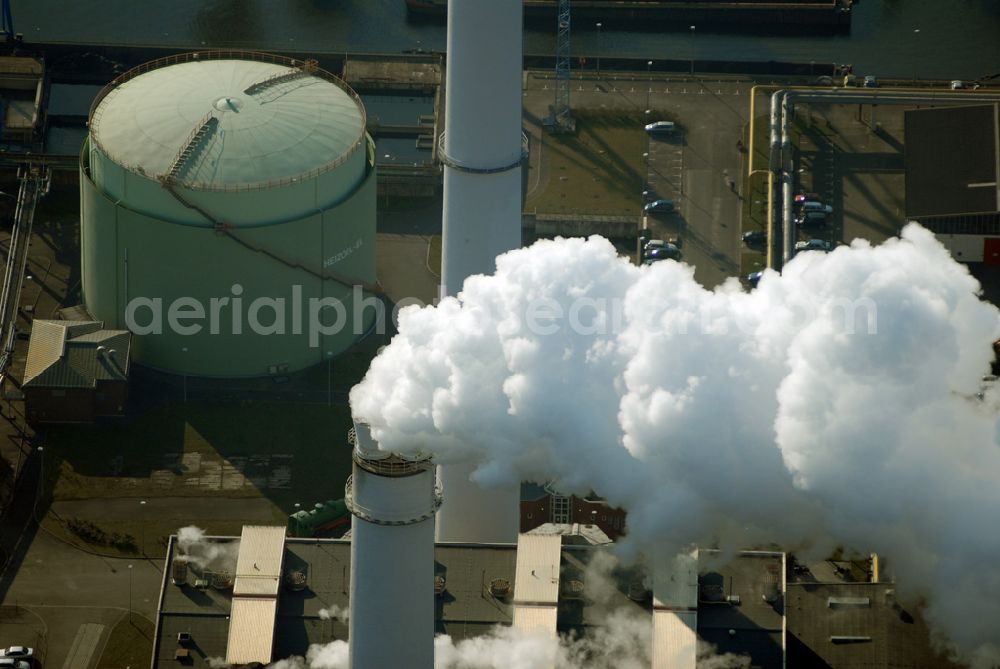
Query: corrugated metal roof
point(258, 566)
point(675, 583)
point(537, 576)
point(535, 619)
point(75, 354)
point(675, 639)
point(251, 630)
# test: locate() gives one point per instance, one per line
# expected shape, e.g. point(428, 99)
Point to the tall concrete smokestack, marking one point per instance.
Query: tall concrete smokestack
point(393, 500)
point(482, 208)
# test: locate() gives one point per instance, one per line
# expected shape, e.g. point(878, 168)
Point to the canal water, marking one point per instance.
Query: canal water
point(945, 39)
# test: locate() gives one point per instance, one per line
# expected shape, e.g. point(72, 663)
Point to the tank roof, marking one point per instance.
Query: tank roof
point(219, 123)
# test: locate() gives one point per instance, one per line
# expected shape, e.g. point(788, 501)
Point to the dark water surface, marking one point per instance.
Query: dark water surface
point(890, 38)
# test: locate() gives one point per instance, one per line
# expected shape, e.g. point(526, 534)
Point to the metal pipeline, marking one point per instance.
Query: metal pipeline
point(788, 171)
point(782, 154)
point(774, 166)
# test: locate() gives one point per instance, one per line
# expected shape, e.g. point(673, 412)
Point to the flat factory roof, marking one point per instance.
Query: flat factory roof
point(756, 621)
point(468, 572)
point(829, 624)
point(952, 160)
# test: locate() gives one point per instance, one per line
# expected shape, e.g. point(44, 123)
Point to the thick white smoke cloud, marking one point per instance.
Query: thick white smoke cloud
point(830, 404)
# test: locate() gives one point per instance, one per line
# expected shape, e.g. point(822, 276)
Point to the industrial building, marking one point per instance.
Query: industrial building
point(953, 178)
point(75, 371)
point(22, 83)
point(739, 604)
point(228, 213)
point(275, 596)
point(543, 504)
point(854, 625)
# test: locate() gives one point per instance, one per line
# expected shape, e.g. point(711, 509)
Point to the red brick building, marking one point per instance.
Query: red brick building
point(76, 371)
point(540, 505)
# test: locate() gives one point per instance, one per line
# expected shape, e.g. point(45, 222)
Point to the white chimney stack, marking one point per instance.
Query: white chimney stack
point(482, 154)
point(393, 500)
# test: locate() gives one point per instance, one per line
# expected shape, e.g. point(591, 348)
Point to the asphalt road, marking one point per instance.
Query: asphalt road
point(59, 598)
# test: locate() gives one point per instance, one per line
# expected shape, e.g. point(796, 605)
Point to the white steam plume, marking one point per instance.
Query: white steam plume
point(830, 404)
point(205, 554)
point(335, 612)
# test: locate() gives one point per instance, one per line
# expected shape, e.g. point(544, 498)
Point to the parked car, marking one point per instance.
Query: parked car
point(12, 663)
point(657, 206)
point(814, 245)
point(808, 197)
point(754, 279)
point(812, 205)
point(653, 244)
point(666, 252)
point(811, 219)
point(755, 238)
point(957, 85)
point(870, 82)
point(661, 128)
point(18, 652)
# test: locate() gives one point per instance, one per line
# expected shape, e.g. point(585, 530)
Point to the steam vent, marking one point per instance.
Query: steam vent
point(223, 195)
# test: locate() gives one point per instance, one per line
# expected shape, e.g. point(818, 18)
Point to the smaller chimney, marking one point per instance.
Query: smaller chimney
point(393, 499)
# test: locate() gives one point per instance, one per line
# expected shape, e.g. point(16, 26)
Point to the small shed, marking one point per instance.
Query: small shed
point(76, 371)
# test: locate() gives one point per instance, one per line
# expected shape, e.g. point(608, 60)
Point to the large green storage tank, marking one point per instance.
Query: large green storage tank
point(228, 205)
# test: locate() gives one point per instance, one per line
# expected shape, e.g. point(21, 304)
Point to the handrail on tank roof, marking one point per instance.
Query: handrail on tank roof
point(234, 54)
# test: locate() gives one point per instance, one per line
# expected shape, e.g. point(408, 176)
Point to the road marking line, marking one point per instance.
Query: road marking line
point(84, 645)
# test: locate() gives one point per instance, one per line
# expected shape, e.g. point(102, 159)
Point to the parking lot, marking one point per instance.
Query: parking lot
point(692, 167)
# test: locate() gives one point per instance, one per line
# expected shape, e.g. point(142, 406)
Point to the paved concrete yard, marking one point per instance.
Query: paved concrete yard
point(692, 168)
point(857, 170)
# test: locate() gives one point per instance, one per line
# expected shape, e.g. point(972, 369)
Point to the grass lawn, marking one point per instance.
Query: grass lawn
point(755, 197)
point(130, 644)
point(434, 255)
point(599, 170)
